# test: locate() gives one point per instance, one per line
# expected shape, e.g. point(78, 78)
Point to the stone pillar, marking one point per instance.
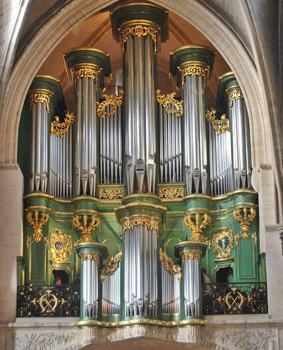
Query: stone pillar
point(11, 213)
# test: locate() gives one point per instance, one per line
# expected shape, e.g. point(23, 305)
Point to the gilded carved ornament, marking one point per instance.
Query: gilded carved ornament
point(84, 72)
point(84, 227)
point(59, 129)
point(192, 220)
point(222, 125)
point(194, 69)
point(60, 246)
point(223, 244)
point(111, 193)
point(171, 105)
point(235, 94)
point(191, 254)
point(171, 192)
point(40, 97)
point(142, 220)
point(111, 101)
point(139, 30)
point(245, 221)
point(36, 223)
point(112, 265)
point(169, 265)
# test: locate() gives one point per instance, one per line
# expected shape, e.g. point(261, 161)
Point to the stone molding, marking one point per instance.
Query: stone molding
point(9, 167)
point(30, 335)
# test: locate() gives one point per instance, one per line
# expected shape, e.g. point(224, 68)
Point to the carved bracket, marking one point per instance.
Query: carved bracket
point(111, 101)
point(36, 223)
point(169, 265)
point(222, 125)
point(112, 265)
point(168, 102)
point(59, 129)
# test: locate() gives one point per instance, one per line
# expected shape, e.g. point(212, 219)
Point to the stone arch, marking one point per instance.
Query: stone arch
point(222, 37)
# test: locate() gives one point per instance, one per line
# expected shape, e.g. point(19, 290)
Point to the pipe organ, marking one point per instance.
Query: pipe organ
point(139, 170)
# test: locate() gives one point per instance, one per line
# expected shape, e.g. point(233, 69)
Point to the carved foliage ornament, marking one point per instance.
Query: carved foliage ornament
point(223, 244)
point(139, 30)
point(192, 220)
point(171, 193)
point(36, 223)
point(142, 220)
point(84, 227)
point(222, 125)
point(235, 94)
point(169, 265)
point(59, 129)
point(84, 72)
point(60, 246)
point(194, 69)
point(245, 221)
point(112, 102)
point(40, 97)
point(171, 105)
point(112, 265)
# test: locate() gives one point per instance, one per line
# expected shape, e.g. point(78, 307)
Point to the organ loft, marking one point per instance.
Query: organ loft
point(137, 190)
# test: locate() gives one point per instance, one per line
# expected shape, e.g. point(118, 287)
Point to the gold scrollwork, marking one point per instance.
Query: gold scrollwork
point(222, 125)
point(191, 254)
point(235, 94)
point(167, 100)
point(142, 220)
point(111, 101)
point(139, 30)
point(92, 256)
point(29, 239)
point(171, 192)
point(33, 220)
point(59, 129)
point(195, 226)
point(84, 227)
point(40, 97)
point(111, 193)
point(194, 69)
point(245, 220)
point(169, 265)
point(60, 246)
point(112, 265)
point(223, 244)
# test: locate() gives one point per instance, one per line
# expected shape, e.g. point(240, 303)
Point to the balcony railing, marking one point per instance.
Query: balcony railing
point(234, 298)
point(48, 301)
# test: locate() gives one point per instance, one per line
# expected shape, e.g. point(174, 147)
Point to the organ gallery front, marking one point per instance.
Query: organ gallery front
point(136, 191)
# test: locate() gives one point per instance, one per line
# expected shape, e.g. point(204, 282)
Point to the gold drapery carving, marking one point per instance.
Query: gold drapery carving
point(194, 69)
point(235, 94)
point(92, 256)
point(191, 254)
point(40, 97)
point(139, 30)
point(167, 100)
point(152, 223)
